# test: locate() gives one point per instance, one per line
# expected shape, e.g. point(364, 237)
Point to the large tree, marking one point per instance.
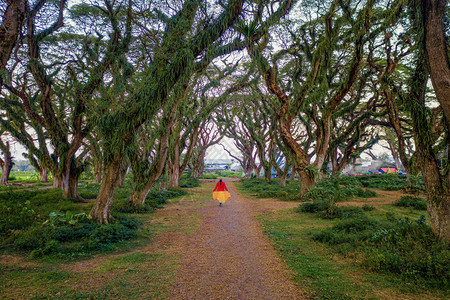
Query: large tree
point(317, 78)
point(191, 38)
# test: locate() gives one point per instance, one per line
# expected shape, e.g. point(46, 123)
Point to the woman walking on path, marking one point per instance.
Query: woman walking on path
point(221, 193)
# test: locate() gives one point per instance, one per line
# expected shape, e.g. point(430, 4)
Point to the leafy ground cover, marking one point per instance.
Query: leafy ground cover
point(331, 189)
point(271, 189)
point(390, 247)
point(143, 269)
point(389, 182)
point(330, 274)
point(40, 223)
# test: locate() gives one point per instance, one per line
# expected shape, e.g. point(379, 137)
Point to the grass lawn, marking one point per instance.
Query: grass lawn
point(141, 268)
point(330, 274)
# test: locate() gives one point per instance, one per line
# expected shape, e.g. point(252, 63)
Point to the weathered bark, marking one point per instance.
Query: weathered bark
point(307, 181)
point(6, 170)
point(438, 197)
point(6, 163)
point(56, 182)
point(122, 172)
point(101, 210)
point(69, 182)
point(13, 20)
point(174, 166)
point(436, 53)
point(198, 163)
point(140, 192)
point(394, 155)
point(43, 174)
point(267, 174)
point(98, 175)
point(283, 180)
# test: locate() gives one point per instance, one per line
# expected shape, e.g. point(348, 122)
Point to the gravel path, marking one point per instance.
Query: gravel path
point(230, 258)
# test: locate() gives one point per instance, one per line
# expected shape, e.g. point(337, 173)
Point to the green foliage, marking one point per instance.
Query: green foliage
point(42, 223)
point(411, 201)
point(272, 189)
point(337, 189)
point(88, 190)
point(328, 210)
point(155, 199)
point(395, 245)
point(389, 182)
point(209, 176)
point(188, 182)
point(367, 207)
point(21, 209)
point(229, 174)
point(63, 237)
point(409, 248)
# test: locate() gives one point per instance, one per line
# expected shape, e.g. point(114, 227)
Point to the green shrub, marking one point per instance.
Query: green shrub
point(314, 207)
point(411, 249)
point(188, 182)
point(367, 207)
point(209, 176)
point(272, 189)
point(365, 193)
point(337, 189)
point(229, 174)
point(397, 245)
point(60, 238)
point(389, 182)
point(411, 201)
point(21, 209)
point(328, 210)
point(155, 199)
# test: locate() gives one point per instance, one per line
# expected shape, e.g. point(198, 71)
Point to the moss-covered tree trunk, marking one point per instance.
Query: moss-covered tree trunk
point(6, 163)
point(143, 185)
point(198, 163)
point(69, 181)
point(43, 174)
point(6, 169)
point(283, 179)
point(437, 53)
point(267, 173)
point(56, 181)
point(307, 181)
point(10, 29)
point(100, 212)
point(174, 166)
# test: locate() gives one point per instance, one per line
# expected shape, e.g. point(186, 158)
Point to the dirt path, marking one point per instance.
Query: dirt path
point(230, 258)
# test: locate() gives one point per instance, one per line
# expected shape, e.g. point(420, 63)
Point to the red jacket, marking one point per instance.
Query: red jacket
point(220, 186)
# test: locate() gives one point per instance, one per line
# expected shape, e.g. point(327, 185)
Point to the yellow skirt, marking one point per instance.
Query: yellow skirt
point(222, 196)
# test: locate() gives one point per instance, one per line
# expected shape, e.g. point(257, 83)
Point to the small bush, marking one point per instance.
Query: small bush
point(409, 248)
point(21, 209)
point(229, 174)
point(365, 193)
point(272, 189)
point(188, 182)
point(209, 176)
point(328, 210)
point(83, 237)
point(367, 207)
point(397, 245)
point(389, 182)
point(411, 201)
point(314, 207)
point(155, 199)
point(337, 189)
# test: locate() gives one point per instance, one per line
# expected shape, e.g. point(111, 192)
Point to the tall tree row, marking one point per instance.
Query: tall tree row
point(134, 85)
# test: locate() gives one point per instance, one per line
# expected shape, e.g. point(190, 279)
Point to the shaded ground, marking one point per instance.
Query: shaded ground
point(230, 258)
